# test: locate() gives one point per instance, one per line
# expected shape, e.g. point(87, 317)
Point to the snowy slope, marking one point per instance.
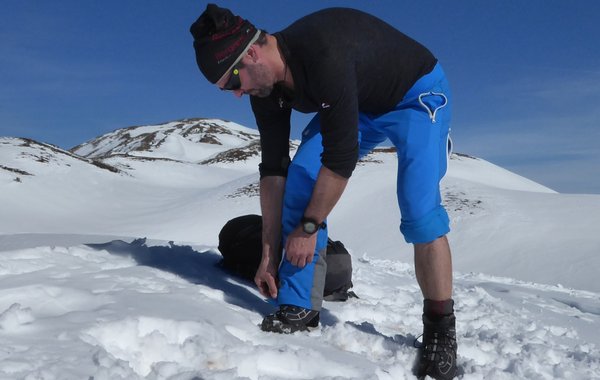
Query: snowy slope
point(81, 298)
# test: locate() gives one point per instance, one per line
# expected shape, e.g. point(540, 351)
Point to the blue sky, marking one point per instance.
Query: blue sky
point(525, 74)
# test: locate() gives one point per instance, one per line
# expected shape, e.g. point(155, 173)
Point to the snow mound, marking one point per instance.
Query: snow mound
point(23, 159)
point(14, 317)
point(479, 171)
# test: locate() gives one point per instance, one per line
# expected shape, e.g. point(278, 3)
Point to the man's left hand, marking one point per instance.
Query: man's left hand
point(300, 247)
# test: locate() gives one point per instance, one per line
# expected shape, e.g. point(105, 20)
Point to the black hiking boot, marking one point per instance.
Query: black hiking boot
point(437, 354)
point(289, 319)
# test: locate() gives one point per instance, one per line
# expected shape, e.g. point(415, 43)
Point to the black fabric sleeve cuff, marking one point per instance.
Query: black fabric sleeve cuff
point(279, 171)
point(342, 165)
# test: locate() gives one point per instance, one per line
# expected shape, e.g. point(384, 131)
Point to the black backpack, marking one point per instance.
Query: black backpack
point(240, 243)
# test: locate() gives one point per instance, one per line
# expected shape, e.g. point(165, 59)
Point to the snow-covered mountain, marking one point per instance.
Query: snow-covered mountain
point(525, 257)
point(189, 140)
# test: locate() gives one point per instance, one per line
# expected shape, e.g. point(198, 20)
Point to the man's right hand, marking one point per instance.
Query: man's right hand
point(266, 279)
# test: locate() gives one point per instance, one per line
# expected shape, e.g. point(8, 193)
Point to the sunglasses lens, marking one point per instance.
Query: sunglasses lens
point(233, 83)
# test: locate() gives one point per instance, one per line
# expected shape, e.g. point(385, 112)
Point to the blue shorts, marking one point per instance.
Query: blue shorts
point(418, 127)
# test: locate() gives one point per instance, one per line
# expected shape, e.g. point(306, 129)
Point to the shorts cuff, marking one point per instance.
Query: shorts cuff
point(294, 300)
point(433, 225)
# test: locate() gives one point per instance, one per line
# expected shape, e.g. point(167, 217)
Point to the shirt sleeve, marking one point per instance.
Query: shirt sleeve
point(274, 126)
point(338, 103)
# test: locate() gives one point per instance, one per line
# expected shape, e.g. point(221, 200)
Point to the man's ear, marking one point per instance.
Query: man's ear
point(253, 53)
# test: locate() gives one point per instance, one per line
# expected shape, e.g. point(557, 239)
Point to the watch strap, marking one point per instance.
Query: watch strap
point(318, 226)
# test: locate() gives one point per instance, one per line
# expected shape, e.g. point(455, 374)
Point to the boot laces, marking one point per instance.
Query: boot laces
point(437, 339)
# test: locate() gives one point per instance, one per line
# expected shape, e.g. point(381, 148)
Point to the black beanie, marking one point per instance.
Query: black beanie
point(220, 38)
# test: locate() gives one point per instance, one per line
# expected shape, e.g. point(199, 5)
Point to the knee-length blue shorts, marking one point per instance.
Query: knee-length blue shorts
point(419, 129)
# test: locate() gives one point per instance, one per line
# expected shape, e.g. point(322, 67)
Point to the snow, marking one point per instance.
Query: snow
point(483, 173)
point(84, 296)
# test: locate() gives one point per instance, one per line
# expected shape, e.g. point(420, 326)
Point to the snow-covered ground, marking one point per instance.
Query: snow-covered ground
point(84, 296)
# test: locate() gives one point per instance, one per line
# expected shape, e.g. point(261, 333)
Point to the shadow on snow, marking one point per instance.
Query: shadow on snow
point(196, 267)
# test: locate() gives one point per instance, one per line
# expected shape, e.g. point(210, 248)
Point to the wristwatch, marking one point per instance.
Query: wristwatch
point(310, 226)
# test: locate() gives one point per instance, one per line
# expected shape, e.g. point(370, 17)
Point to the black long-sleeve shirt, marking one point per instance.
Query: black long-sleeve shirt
point(343, 61)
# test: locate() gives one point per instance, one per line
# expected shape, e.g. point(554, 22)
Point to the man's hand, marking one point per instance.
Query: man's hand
point(266, 279)
point(300, 247)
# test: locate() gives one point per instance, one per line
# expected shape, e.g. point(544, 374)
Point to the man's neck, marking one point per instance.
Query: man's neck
point(282, 71)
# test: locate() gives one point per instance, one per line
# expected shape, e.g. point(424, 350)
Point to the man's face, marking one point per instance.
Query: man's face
point(261, 80)
point(253, 78)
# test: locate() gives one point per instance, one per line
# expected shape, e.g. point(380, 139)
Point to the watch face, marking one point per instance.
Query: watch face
point(309, 227)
